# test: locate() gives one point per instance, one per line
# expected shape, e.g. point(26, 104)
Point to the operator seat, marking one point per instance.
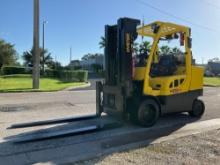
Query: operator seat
point(165, 67)
point(141, 60)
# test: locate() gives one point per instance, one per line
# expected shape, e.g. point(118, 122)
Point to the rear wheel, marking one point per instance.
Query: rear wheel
point(148, 113)
point(198, 108)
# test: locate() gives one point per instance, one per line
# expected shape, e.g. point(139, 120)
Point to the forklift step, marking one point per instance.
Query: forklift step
point(50, 122)
point(35, 136)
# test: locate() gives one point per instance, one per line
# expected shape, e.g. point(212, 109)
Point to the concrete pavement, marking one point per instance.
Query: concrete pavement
point(23, 107)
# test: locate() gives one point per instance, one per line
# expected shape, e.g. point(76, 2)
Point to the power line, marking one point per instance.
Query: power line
point(70, 54)
point(174, 16)
point(211, 4)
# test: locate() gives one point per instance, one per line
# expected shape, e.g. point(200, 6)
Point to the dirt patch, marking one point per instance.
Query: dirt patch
point(28, 107)
point(13, 109)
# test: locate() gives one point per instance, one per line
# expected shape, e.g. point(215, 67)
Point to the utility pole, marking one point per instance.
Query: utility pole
point(142, 37)
point(55, 62)
point(36, 58)
point(70, 57)
point(70, 54)
point(43, 45)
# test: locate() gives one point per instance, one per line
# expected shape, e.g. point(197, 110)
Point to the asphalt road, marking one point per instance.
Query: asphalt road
point(24, 107)
point(87, 97)
point(91, 87)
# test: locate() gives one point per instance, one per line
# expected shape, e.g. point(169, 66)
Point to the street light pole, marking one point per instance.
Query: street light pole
point(36, 56)
point(44, 23)
point(71, 67)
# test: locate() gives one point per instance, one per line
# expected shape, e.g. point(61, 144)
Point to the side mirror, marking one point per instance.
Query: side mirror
point(189, 42)
point(175, 36)
point(182, 39)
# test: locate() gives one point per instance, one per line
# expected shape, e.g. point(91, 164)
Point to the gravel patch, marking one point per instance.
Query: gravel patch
point(191, 150)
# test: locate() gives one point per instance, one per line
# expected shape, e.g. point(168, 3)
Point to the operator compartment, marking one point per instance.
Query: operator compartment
point(161, 62)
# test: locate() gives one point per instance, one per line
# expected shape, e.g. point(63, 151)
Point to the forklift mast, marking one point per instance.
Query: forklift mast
point(118, 65)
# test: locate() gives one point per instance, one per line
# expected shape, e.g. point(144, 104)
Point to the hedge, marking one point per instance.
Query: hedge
point(10, 70)
point(73, 76)
point(51, 73)
point(64, 75)
point(67, 75)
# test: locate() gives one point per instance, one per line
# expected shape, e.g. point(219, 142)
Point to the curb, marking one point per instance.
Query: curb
point(213, 86)
point(78, 87)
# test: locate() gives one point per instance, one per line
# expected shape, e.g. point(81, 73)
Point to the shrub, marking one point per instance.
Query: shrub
point(64, 75)
point(10, 70)
point(51, 73)
point(18, 76)
point(73, 76)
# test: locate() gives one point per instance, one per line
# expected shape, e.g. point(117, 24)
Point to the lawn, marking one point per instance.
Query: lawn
point(212, 81)
point(23, 83)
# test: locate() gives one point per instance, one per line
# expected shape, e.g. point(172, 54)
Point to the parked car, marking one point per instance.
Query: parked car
point(209, 74)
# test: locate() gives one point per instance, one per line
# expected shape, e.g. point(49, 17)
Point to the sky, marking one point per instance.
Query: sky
point(80, 23)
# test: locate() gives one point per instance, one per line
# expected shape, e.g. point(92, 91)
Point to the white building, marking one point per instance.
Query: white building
point(87, 64)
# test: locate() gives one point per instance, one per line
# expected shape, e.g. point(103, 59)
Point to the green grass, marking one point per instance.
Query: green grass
point(23, 83)
point(212, 81)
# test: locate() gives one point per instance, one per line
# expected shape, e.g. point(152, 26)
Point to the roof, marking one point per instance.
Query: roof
point(167, 28)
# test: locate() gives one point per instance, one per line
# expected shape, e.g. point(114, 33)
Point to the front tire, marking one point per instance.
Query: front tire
point(198, 109)
point(148, 113)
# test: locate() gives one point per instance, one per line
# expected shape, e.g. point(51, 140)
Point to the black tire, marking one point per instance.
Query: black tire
point(198, 109)
point(148, 113)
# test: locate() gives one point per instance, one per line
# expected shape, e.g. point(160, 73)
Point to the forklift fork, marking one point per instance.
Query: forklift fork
point(50, 122)
point(99, 111)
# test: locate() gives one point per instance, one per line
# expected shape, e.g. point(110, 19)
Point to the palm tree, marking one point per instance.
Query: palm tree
point(144, 47)
point(91, 56)
point(86, 57)
point(137, 48)
point(28, 57)
point(177, 51)
point(102, 43)
point(164, 50)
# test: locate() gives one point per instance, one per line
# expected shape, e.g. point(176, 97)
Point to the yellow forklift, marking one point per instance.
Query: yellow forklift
point(156, 84)
point(139, 87)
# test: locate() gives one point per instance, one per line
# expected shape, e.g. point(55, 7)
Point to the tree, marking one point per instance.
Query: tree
point(91, 56)
point(75, 64)
point(176, 51)
point(165, 50)
point(8, 54)
point(97, 67)
point(215, 59)
point(28, 58)
point(102, 43)
point(54, 65)
point(144, 47)
point(141, 48)
point(86, 57)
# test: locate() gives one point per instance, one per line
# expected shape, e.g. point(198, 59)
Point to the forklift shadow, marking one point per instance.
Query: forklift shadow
point(143, 137)
point(86, 146)
point(166, 125)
